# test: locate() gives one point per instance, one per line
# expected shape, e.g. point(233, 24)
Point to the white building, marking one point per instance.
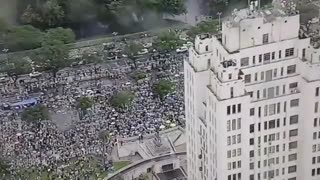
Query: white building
point(252, 101)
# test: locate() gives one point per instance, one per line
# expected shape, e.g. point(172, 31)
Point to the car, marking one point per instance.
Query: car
point(143, 51)
point(35, 74)
point(182, 49)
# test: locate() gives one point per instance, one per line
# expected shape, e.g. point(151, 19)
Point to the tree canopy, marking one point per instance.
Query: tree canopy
point(163, 88)
point(63, 35)
point(53, 55)
point(168, 41)
point(204, 27)
point(46, 14)
point(84, 103)
point(35, 114)
point(20, 38)
point(122, 99)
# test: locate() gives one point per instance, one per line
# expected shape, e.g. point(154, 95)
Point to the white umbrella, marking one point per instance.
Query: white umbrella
point(172, 125)
point(168, 121)
point(162, 127)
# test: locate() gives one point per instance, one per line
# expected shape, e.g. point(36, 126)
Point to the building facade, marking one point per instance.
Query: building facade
point(252, 100)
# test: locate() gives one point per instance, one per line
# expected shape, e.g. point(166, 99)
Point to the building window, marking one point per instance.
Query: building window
point(207, 48)
point(292, 169)
point(294, 119)
point(317, 91)
point(277, 91)
point(265, 38)
point(251, 128)
point(280, 54)
point(228, 110)
point(275, 73)
point(254, 60)
point(281, 72)
point(273, 55)
point(251, 154)
point(316, 107)
point(244, 61)
point(293, 133)
point(289, 52)
point(291, 69)
point(233, 124)
point(251, 165)
point(262, 75)
point(233, 109)
point(266, 57)
point(293, 145)
point(247, 78)
point(272, 124)
point(228, 125)
point(239, 123)
point(269, 75)
point(255, 76)
point(260, 58)
point(271, 92)
point(294, 102)
point(315, 121)
point(239, 108)
point(272, 109)
point(293, 85)
point(230, 76)
point(231, 92)
point(251, 141)
point(252, 112)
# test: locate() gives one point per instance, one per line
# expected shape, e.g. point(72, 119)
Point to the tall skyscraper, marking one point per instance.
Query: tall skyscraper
point(252, 100)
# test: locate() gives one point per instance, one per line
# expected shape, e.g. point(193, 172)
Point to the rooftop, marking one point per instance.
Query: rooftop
point(268, 14)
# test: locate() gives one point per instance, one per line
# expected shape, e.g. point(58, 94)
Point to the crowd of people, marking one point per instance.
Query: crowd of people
point(44, 146)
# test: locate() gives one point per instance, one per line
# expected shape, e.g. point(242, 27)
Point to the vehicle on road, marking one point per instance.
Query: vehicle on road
point(35, 74)
point(182, 49)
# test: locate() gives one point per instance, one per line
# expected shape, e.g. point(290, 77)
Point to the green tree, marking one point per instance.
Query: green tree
point(132, 51)
point(66, 36)
point(173, 6)
point(204, 27)
point(20, 38)
point(53, 56)
point(168, 41)
point(84, 103)
point(35, 114)
point(44, 14)
point(163, 88)
point(122, 99)
point(15, 67)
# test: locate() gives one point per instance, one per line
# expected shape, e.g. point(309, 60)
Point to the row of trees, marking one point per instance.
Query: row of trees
point(46, 14)
point(18, 38)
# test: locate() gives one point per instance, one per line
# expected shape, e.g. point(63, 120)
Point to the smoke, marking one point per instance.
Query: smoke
point(8, 10)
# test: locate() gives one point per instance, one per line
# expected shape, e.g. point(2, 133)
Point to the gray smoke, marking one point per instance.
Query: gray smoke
point(8, 10)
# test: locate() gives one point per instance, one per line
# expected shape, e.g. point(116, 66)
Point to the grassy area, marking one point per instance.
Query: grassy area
point(120, 164)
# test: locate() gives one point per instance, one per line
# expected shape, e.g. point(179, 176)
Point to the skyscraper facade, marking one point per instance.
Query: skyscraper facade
point(252, 100)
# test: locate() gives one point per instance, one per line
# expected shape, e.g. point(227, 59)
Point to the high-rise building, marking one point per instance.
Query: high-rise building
point(252, 100)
